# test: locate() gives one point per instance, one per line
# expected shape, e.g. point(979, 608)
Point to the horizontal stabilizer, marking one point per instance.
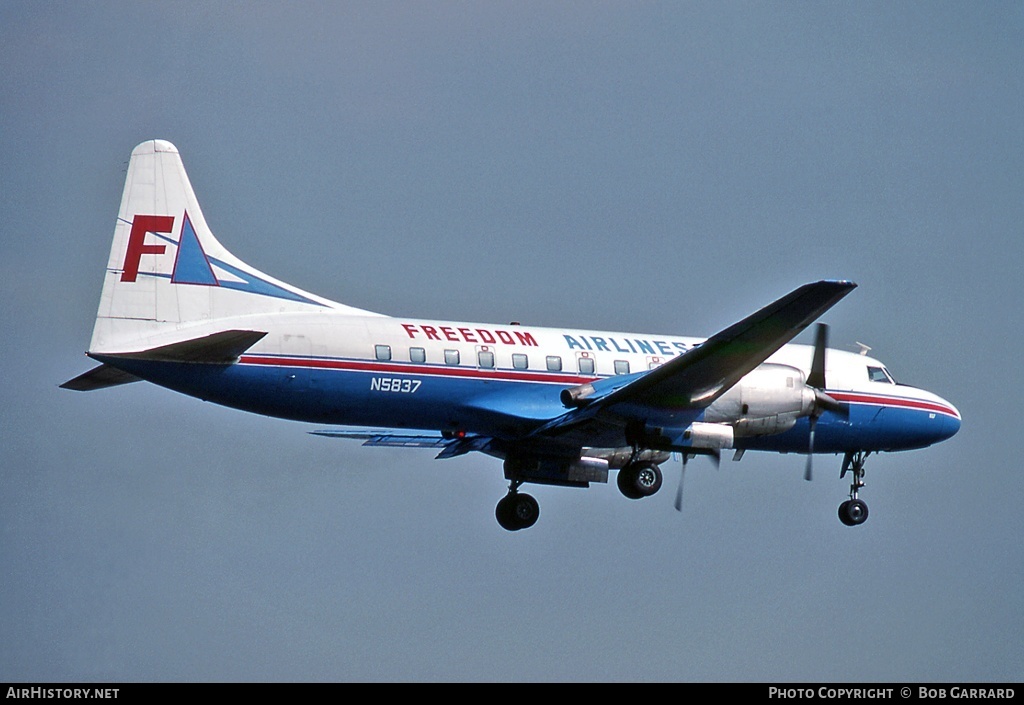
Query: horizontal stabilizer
point(389, 438)
point(224, 348)
point(99, 378)
point(396, 438)
point(219, 348)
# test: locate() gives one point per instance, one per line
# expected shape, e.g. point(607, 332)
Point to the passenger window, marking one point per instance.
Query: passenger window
point(520, 361)
point(485, 358)
point(383, 352)
point(451, 357)
point(554, 363)
point(417, 355)
point(586, 365)
point(622, 367)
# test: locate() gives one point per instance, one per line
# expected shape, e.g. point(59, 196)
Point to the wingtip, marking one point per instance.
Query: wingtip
point(835, 288)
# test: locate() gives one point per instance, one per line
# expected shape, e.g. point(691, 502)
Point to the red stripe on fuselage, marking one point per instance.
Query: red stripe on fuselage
point(901, 402)
point(414, 369)
point(536, 376)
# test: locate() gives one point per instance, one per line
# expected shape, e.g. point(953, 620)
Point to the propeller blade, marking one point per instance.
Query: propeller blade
point(716, 458)
point(824, 401)
point(816, 378)
point(679, 490)
point(810, 448)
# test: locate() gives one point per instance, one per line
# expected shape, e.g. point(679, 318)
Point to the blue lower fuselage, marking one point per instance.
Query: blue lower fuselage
point(505, 404)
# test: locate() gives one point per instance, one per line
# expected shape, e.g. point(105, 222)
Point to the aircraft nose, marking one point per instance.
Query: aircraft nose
point(949, 423)
point(944, 419)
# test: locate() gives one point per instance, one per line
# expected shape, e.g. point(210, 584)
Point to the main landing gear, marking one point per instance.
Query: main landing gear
point(636, 479)
point(854, 511)
point(517, 510)
point(639, 479)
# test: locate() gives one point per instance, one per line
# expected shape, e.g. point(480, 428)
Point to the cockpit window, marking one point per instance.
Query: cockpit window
point(880, 374)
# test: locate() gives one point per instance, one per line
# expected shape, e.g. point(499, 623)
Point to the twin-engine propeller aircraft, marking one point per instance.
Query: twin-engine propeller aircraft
point(560, 407)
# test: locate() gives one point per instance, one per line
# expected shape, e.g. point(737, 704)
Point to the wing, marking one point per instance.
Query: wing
point(675, 393)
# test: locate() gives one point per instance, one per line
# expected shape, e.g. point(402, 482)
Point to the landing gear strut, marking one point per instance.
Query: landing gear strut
point(517, 510)
point(854, 511)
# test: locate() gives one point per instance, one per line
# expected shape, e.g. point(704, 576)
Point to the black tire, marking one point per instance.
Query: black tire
point(647, 479)
point(853, 512)
point(517, 511)
point(525, 510)
point(842, 513)
point(626, 480)
point(504, 514)
point(639, 480)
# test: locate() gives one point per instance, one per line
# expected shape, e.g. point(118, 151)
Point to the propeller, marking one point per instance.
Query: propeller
point(822, 401)
point(716, 458)
point(808, 475)
point(679, 490)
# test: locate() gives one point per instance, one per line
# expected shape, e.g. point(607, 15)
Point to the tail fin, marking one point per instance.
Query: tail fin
point(167, 271)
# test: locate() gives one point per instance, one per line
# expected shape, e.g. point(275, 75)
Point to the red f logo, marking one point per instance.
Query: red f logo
point(137, 246)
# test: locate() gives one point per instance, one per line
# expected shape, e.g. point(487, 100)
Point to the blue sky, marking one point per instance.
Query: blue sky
point(655, 167)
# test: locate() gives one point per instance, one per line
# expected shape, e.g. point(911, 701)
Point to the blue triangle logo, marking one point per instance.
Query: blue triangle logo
point(191, 265)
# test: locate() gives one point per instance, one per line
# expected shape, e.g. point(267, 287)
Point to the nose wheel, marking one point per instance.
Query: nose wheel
point(854, 511)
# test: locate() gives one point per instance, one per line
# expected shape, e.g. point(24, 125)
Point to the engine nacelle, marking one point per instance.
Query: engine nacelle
point(713, 436)
point(708, 436)
point(557, 471)
point(767, 400)
point(618, 458)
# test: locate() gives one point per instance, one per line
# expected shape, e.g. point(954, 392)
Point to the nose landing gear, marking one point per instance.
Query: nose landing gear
point(854, 511)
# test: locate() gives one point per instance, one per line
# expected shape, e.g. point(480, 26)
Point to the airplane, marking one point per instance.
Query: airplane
point(558, 406)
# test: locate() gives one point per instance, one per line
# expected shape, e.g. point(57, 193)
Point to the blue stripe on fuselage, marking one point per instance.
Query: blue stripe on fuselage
point(868, 427)
point(503, 406)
